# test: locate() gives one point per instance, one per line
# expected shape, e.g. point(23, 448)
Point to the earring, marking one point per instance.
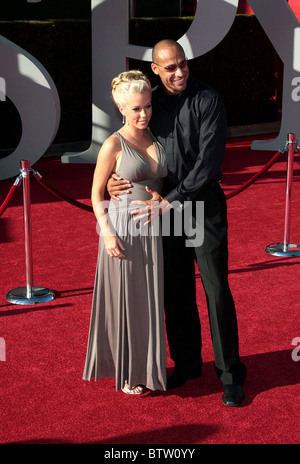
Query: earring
point(123, 119)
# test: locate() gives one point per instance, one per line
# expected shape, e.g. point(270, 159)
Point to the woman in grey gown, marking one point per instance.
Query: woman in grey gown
point(127, 335)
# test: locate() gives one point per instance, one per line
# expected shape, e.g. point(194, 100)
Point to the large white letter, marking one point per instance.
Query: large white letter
point(283, 30)
point(31, 89)
point(110, 50)
point(109, 39)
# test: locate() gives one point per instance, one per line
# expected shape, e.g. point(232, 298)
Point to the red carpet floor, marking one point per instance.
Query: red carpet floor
point(44, 400)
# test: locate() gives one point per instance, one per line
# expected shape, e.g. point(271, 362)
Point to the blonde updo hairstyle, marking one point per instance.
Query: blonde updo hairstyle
point(128, 81)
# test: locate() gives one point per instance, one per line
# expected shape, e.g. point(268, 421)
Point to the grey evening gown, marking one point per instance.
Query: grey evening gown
point(127, 335)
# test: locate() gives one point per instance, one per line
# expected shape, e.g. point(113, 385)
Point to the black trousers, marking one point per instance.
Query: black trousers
point(181, 311)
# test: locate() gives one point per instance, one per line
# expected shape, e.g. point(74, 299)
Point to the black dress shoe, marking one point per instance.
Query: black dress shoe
point(177, 378)
point(233, 395)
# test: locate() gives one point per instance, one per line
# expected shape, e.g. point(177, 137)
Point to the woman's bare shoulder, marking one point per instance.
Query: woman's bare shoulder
point(112, 143)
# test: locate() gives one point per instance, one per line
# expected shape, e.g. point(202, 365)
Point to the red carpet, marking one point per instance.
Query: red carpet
point(44, 400)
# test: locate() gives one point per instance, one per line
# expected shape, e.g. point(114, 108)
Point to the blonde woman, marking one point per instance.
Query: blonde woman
point(127, 335)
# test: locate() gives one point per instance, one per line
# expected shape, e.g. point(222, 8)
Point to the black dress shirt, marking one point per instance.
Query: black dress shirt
point(192, 128)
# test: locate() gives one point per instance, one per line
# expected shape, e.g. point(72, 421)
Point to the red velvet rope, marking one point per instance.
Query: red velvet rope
point(10, 195)
point(255, 177)
point(88, 208)
point(228, 195)
point(60, 195)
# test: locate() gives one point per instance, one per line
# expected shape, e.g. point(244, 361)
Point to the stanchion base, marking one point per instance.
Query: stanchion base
point(280, 249)
point(38, 295)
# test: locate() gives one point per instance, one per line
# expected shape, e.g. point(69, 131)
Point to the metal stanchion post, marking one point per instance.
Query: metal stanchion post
point(28, 295)
point(286, 248)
